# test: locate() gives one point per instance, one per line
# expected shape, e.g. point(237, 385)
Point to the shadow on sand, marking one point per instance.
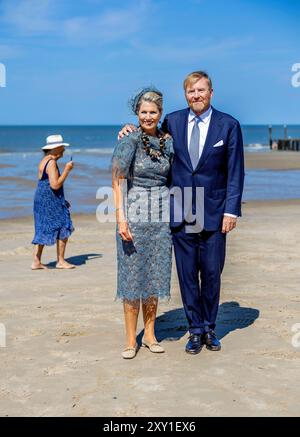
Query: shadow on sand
point(79, 260)
point(172, 325)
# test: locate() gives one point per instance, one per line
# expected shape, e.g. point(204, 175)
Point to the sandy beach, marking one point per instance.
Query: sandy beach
point(64, 332)
point(273, 160)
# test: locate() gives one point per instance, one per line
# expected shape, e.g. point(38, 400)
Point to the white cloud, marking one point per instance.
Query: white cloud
point(7, 52)
point(111, 25)
point(204, 49)
point(29, 16)
point(42, 17)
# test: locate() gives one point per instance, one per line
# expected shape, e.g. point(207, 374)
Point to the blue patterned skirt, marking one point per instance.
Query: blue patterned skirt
point(52, 220)
point(144, 265)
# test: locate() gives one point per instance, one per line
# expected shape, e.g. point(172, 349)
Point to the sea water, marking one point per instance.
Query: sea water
point(91, 150)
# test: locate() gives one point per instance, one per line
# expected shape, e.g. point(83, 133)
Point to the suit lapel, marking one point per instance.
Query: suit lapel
point(215, 126)
point(183, 135)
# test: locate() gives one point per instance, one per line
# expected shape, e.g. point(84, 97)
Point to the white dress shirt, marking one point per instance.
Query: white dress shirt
point(203, 123)
point(203, 127)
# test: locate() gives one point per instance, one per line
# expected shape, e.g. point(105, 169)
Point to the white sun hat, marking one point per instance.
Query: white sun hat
point(54, 141)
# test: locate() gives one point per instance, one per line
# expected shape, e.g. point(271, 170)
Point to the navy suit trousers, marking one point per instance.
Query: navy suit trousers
point(201, 255)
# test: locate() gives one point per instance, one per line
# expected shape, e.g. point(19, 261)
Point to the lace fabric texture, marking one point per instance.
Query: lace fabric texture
point(144, 265)
point(52, 220)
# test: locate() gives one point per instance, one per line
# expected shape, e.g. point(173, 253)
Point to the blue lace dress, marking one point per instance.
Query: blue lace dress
point(144, 265)
point(52, 220)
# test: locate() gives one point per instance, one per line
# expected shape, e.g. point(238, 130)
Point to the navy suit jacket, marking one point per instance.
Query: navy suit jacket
point(220, 170)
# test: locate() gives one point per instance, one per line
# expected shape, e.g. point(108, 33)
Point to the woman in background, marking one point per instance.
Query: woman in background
point(141, 164)
point(52, 219)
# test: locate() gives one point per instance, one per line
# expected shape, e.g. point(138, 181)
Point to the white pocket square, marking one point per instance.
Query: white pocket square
point(219, 143)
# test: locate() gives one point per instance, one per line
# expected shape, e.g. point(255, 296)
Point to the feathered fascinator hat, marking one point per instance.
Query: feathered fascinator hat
point(134, 101)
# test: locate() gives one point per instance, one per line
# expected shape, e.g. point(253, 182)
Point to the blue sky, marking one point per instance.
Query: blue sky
point(79, 61)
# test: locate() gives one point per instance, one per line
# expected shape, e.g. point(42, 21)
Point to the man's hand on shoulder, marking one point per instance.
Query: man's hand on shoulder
point(126, 130)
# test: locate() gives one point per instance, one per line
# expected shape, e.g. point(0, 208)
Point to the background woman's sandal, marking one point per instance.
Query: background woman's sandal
point(66, 267)
point(41, 267)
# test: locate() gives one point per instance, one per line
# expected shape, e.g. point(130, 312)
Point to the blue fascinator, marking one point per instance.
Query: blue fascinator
point(134, 101)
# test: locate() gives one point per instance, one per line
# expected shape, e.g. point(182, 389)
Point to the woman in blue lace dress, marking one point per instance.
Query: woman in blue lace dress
point(140, 170)
point(52, 218)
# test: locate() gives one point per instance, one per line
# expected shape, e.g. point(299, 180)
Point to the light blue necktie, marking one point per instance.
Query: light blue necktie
point(194, 143)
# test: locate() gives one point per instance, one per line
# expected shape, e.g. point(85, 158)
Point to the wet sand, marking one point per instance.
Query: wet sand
point(273, 160)
point(6, 166)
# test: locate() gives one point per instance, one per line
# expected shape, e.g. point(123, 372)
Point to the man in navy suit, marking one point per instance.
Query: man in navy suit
point(208, 169)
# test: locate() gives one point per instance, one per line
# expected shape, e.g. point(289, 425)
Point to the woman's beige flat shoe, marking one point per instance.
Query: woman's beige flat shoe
point(156, 348)
point(129, 352)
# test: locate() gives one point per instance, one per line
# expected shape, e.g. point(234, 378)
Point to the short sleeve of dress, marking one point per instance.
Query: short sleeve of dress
point(170, 149)
point(123, 156)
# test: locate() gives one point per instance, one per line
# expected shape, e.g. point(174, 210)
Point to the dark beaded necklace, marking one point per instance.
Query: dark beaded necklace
point(154, 153)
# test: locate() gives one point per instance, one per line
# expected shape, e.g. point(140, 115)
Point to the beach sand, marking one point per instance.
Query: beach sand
point(273, 160)
point(65, 333)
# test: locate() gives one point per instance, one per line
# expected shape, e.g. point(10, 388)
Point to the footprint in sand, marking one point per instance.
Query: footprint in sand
point(22, 250)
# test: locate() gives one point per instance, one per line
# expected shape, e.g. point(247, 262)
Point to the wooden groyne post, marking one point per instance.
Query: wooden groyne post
point(270, 136)
point(289, 144)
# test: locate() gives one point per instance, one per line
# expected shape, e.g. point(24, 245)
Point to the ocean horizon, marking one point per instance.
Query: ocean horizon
point(91, 150)
point(91, 138)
